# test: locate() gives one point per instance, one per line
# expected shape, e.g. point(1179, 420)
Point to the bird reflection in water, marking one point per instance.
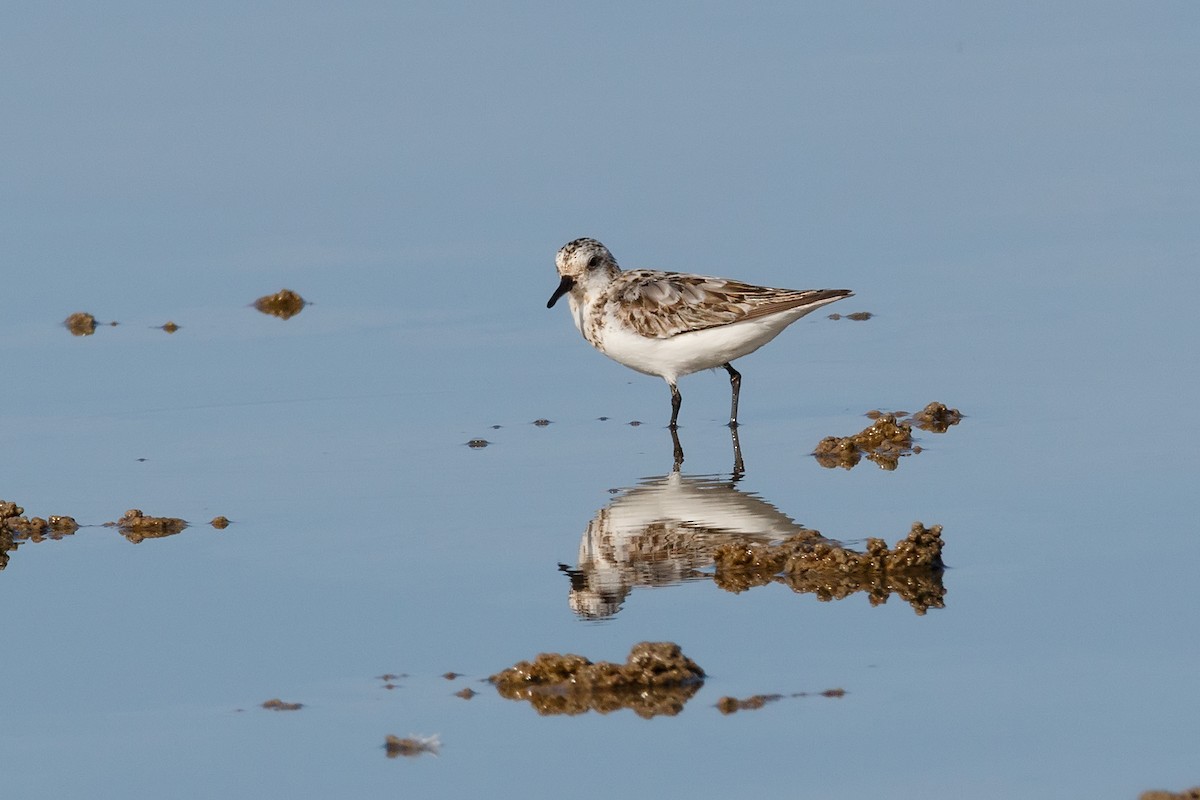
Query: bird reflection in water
point(664, 531)
point(676, 528)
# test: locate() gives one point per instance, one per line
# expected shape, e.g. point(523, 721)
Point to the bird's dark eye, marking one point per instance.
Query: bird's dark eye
point(593, 262)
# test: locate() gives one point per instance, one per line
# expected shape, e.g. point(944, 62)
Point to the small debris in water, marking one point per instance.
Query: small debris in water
point(412, 746)
point(276, 704)
point(602, 419)
point(466, 693)
point(635, 423)
point(731, 705)
point(478, 443)
point(389, 677)
point(284, 304)
point(857, 316)
point(81, 323)
point(497, 427)
point(220, 523)
point(170, 327)
point(656, 678)
point(541, 423)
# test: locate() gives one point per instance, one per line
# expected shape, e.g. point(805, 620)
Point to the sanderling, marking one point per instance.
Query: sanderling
point(672, 324)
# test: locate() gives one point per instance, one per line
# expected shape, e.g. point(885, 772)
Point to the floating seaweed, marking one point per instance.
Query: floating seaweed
point(656, 679)
point(284, 304)
point(886, 440)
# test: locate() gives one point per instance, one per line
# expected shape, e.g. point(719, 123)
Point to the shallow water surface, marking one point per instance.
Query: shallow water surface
point(367, 540)
point(1012, 200)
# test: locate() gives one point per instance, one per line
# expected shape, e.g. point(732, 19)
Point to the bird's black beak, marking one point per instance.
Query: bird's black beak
point(564, 286)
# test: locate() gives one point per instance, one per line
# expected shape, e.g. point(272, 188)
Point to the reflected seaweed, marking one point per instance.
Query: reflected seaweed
point(656, 679)
point(676, 528)
point(808, 563)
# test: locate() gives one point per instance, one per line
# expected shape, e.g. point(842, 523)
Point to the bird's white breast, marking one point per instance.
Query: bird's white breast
point(675, 356)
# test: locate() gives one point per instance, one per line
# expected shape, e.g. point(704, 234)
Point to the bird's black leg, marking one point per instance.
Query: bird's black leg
point(739, 466)
point(735, 381)
point(676, 399)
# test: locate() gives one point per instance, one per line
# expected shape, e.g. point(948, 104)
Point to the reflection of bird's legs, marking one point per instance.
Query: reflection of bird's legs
point(735, 382)
point(676, 399)
point(739, 468)
point(678, 449)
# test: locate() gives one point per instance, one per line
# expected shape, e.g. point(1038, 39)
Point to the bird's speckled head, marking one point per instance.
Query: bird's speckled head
point(581, 262)
point(577, 257)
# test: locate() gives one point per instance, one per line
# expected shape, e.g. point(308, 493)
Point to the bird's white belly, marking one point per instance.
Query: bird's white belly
point(685, 353)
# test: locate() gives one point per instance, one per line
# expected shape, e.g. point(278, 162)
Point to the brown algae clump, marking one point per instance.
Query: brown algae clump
point(411, 746)
point(63, 524)
point(170, 327)
point(656, 678)
point(16, 528)
point(220, 523)
point(936, 418)
point(136, 526)
point(1159, 794)
point(810, 563)
point(284, 304)
point(34, 529)
point(886, 440)
point(275, 704)
point(81, 324)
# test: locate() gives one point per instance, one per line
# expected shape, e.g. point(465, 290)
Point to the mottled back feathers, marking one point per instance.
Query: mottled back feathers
point(664, 304)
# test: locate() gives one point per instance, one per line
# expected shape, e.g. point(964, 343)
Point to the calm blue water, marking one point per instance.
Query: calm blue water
point(1011, 193)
